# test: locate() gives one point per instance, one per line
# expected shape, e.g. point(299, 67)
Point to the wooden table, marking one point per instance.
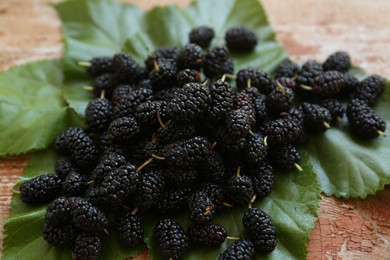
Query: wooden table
point(309, 29)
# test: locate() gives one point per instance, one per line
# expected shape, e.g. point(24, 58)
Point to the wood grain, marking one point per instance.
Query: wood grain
point(309, 29)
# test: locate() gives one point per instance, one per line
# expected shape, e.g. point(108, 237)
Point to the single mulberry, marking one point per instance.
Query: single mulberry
point(287, 69)
point(186, 76)
point(171, 239)
point(251, 77)
point(218, 62)
point(202, 36)
point(260, 229)
point(240, 249)
point(87, 247)
point(201, 208)
point(190, 57)
point(207, 234)
point(130, 228)
point(370, 89)
point(240, 39)
point(286, 157)
point(43, 188)
point(239, 190)
point(60, 236)
point(98, 114)
point(86, 216)
point(339, 61)
point(317, 118)
point(190, 102)
point(363, 121)
point(58, 212)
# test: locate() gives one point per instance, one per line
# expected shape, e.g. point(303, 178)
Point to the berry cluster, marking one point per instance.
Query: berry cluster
point(177, 135)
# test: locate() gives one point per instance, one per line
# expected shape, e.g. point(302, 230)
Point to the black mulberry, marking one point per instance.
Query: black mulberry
point(261, 229)
point(207, 235)
point(40, 189)
point(87, 247)
point(171, 239)
point(130, 228)
point(202, 36)
point(240, 249)
point(218, 62)
point(370, 89)
point(240, 39)
point(339, 61)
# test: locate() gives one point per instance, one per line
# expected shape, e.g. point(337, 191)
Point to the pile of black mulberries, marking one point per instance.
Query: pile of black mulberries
point(181, 133)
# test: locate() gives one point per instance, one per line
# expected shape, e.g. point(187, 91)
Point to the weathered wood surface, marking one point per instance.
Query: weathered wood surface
point(309, 29)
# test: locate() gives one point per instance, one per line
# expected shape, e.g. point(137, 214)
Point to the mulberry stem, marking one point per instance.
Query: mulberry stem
point(156, 67)
point(88, 88)
point(238, 171)
point(381, 133)
point(326, 125)
point(265, 141)
point(158, 157)
point(160, 120)
point(213, 145)
point(279, 86)
point(227, 205)
point(306, 87)
point(229, 76)
point(84, 64)
point(150, 160)
point(299, 168)
point(134, 211)
point(102, 94)
point(232, 238)
point(248, 83)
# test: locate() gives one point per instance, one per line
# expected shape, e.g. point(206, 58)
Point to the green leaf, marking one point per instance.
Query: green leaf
point(76, 96)
point(24, 240)
point(32, 109)
point(93, 31)
point(347, 166)
point(23, 228)
point(97, 28)
point(292, 205)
